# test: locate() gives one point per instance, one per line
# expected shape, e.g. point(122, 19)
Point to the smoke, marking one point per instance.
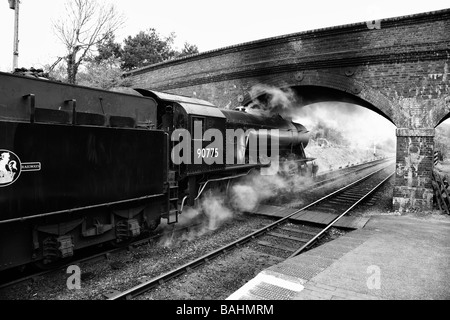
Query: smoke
point(357, 127)
point(269, 101)
point(209, 214)
point(216, 211)
point(249, 192)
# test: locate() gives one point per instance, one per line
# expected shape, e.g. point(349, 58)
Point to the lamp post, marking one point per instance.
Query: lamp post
point(14, 4)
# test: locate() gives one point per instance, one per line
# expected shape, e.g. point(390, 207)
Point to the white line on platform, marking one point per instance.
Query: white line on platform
point(267, 278)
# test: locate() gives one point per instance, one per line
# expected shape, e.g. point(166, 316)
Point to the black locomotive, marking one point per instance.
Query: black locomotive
point(81, 166)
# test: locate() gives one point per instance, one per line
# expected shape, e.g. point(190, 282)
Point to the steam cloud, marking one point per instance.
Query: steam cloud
point(268, 101)
point(210, 213)
point(359, 126)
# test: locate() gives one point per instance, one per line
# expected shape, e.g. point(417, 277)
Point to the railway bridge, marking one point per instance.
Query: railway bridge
point(397, 67)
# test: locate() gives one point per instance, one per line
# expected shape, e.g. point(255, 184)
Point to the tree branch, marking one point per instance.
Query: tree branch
point(85, 25)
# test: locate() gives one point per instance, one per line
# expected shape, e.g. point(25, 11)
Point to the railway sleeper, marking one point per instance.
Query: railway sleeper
point(341, 201)
point(283, 236)
point(275, 246)
point(327, 207)
point(351, 196)
point(312, 233)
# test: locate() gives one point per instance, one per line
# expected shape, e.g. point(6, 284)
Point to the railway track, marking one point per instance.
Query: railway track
point(341, 173)
point(282, 237)
point(309, 191)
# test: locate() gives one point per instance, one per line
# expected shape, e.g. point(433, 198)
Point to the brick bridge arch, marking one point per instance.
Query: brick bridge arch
point(398, 67)
point(321, 87)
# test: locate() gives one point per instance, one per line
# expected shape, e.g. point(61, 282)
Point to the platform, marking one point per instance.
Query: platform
point(392, 257)
point(320, 218)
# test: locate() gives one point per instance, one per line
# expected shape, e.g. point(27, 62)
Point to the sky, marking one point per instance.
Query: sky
point(209, 24)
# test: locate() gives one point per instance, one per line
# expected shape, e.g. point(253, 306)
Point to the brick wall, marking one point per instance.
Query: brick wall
point(413, 189)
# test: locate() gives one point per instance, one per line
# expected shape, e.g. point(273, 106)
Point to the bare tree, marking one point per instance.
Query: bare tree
point(85, 25)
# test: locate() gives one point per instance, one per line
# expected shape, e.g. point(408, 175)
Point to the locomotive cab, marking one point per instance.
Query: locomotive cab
point(196, 128)
point(190, 118)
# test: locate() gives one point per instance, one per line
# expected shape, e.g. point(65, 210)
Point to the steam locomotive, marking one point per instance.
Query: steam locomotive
point(82, 167)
